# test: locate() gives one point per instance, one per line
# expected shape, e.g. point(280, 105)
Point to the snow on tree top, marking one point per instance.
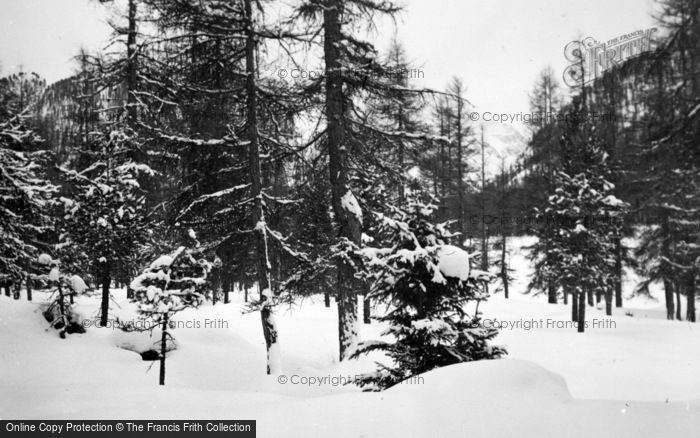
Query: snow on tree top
point(350, 204)
point(165, 261)
point(453, 262)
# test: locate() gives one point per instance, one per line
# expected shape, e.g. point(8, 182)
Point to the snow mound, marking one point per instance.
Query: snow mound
point(140, 341)
point(501, 378)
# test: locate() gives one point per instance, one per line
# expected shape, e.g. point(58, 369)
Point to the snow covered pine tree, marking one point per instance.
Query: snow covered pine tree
point(25, 200)
point(170, 284)
point(104, 209)
point(427, 285)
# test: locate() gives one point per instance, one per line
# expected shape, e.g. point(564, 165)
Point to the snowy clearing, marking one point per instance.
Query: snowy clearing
point(632, 376)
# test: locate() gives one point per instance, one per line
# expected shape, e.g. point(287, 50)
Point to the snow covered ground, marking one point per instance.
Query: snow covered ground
point(635, 374)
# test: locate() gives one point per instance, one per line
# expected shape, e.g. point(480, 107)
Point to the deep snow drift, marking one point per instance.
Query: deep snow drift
point(634, 375)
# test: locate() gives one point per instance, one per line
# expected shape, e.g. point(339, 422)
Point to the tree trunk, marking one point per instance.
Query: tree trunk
point(29, 288)
point(668, 294)
point(460, 166)
point(608, 301)
point(589, 296)
point(678, 303)
point(582, 311)
point(106, 280)
point(349, 223)
point(551, 289)
point(163, 348)
point(263, 257)
point(7, 289)
point(402, 188)
point(618, 272)
point(504, 265)
point(484, 229)
point(552, 293)
point(62, 312)
point(131, 67)
point(566, 296)
point(327, 298)
point(690, 296)
point(366, 311)
point(574, 307)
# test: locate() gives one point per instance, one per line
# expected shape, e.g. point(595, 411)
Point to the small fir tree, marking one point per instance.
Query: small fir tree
point(427, 285)
point(169, 285)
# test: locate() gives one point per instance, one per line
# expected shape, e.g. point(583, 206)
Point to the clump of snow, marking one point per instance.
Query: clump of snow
point(137, 283)
point(45, 259)
point(438, 277)
point(260, 226)
point(453, 262)
point(431, 325)
point(350, 204)
point(414, 173)
point(54, 274)
point(77, 284)
point(614, 201)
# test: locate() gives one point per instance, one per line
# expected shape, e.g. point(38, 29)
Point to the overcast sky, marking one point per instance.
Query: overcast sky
point(496, 46)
